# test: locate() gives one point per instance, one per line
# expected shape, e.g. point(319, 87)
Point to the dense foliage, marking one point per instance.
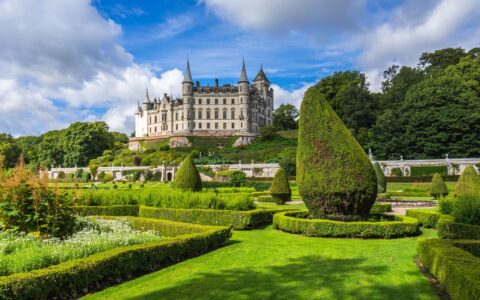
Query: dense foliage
point(438, 187)
point(285, 117)
point(280, 189)
point(187, 176)
point(334, 174)
point(466, 209)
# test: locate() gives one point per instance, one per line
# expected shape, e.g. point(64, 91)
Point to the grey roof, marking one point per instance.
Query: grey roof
point(147, 98)
point(243, 75)
point(188, 75)
point(261, 76)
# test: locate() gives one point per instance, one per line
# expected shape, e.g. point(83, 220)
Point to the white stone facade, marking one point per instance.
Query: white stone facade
point(227, 110)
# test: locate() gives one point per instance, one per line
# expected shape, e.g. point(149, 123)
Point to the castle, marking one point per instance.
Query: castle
point(220, 111)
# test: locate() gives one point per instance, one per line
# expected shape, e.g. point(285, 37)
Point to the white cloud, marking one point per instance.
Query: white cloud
point(293, 97)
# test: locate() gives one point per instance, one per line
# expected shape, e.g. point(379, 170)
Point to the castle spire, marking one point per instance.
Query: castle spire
point(243, 75)
point(147, 98)
point(188, 74)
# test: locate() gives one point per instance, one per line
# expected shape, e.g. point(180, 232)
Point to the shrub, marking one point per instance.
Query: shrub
point(468, 184)
point(114, 210)
point(428, 170)
point(187, 177)
point(427, 218)
point(266, 198)
point(447, 229)
point(334, 174)
point(296, 222)
point(438, 187)
point(454, 268)
point(397, 172)
point(280, 189)
point(379, 208)
point(466, 209)
point(445, 205)
point(101, 176)
point(73, 278)
point(381, 180)
point(107, 178)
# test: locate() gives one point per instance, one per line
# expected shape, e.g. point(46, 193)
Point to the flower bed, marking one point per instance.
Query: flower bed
point(455, 268)
point(73, 278)
point(297, 222)
point(427, 218)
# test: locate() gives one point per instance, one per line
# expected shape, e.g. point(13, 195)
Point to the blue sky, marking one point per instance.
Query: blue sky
point(80, 60)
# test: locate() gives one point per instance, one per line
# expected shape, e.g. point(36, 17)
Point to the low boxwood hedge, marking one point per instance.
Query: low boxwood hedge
point(380, 208)
point(296, 222)
point(73, 278)
point(448, 229)
point(427, 218)
point(265, 199)
point(472, 246)
point(456, 269)
point(236, 219)
point(113, 210)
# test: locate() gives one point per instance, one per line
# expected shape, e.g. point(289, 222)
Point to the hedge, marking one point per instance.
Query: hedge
point(265, 199)
point(296, 222)
point(469, 245)
point(428, 170)
point(379, 208)
point(264, 193)
point(447, 178)
point(456, 269)
point(114, 210)
point(74, 278)
point(447, 229)
point(236, 219)
point(427, 218)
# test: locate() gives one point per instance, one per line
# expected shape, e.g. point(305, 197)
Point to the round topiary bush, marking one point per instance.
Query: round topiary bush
point(280, 189)
point(334, 174)
point(381, 180)
point(468, 184)
point(187, 176)
point(438, 187)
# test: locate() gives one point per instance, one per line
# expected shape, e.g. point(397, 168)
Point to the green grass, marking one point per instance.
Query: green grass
point(268, 264)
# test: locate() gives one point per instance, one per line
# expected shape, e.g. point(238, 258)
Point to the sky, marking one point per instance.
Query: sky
point(63, 61)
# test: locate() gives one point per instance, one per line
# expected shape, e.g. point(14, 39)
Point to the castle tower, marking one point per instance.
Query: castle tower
point(187, 94)
point(262, 83)
point(244, 93)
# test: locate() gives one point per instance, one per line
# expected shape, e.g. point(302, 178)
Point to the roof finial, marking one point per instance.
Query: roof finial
point(188, 74)
point(147, 98)
point(243, 75)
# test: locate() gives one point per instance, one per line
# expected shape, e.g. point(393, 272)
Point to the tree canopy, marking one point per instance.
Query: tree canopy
point(285, 117)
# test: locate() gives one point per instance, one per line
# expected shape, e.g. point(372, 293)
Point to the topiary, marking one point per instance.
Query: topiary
point(468, 184)
point(280, 189)
point(381, 180)
point(334, 174)
point(438, 187)
point(187, 176)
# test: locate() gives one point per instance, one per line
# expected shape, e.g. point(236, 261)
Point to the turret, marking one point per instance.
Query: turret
point(261, 82)
point(243, 82)
point(146, 101)
point(243, 93)
point(187, 83)
point(187, 92)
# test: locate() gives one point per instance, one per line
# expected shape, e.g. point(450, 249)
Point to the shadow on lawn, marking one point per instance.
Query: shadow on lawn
point(309, 277)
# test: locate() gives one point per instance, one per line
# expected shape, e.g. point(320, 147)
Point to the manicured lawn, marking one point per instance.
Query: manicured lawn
point(268, 264)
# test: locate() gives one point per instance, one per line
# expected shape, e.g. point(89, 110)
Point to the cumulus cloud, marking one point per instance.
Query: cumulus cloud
point(294, 97)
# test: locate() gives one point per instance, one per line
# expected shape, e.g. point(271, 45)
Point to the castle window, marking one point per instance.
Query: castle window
point(224, 125)
point(155, 119)
point(176, 116)
point(224, 113)
point(208, 101)
point(208, 114)
point(200, 101)
point(233, 125)
point(240, 88)
point(199, 114)
point(216, 101)
point(200, 125)
point(233, 113)
point(233, 101)
point(216, 114)
point(241, 124)
point(176, 126)
point(216, 125)
point(224, 101)
point(208, 125)
point(155, 129)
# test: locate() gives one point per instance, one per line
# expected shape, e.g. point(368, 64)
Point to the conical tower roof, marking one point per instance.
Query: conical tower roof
point(243, 75)
point(188, 74)
point(261, 76)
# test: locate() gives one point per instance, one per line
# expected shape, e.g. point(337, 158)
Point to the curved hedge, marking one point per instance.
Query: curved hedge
point(447, 229)
point(380, 208)
point(427, 218)
point(295, 222)
point(74, 278)
point(456, 269)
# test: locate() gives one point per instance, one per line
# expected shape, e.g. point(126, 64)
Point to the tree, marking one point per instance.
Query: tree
point(285, 117)
point(334, 174)
point(468, 183)
point(187, 176)
point(9, 150)
point(93, 167)
point(440, 59)
point(438, 187)
point(280, 189)
point(381, 180)
point(268, 133)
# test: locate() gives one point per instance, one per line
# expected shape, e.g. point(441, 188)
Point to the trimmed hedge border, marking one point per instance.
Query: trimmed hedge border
point(455, 268)
point(380, 208)
point(265, 199)
point(447, 229)
point(74, 278)
point(452, 178)
point(237, 219)
point(293, 223)
point(426, 218)
point(112, 210)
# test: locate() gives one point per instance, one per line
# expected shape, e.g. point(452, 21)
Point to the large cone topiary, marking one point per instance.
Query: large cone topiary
point(187, 176)
point(438, 187)
point(381, 180)
point(468, 184)
point(334, 174)
point(280, 189)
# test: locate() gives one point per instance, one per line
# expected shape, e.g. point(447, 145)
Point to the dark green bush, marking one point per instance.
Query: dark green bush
point(428, 170)
point(445, 205)
point(380, 208)
point(454, 268)
point(472, 246)
point(381, 180)
point(396, 172)
point(296, 222)
point(427, 218)
point(468, 184)
point(466, 209)
point(447, 229)
point(280, 189)
point(187, 176)
point(266, 199)
point(77, 277)
point(236, 219)
point(114, 210)
point(334, 174)
point(438, 187)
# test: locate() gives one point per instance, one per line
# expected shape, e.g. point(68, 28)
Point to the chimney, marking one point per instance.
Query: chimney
point(197, 83)
point(216, 82)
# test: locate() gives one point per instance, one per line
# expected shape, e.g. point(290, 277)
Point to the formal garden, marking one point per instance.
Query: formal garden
point(332, 233)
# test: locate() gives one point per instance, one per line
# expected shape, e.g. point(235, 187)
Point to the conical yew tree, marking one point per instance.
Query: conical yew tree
point(438, 187)
point(280, 189)
point(468, 184)
point(187, 176)
point(334, 174)
point(381, 180)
